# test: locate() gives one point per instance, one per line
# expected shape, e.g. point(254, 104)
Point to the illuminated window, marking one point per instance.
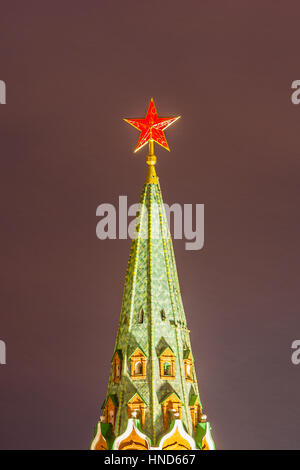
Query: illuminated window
point(117, 365)
point(138, 363)
point(138, 370)
point(188, 365)
point(137, 404)
point(141, 316)
point(167, 368)
point(167, 364)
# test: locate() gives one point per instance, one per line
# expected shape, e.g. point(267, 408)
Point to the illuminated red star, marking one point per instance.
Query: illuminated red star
point(152, 127)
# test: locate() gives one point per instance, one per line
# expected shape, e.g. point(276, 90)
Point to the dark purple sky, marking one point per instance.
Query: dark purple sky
point(73, 70)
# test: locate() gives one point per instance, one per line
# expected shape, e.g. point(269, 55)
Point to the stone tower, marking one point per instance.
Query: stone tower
point(152, 400)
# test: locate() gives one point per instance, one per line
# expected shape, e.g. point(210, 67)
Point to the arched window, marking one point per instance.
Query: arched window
point(138, 368)
point(167, 364)
point(111, 415)
point(117, 365)
point(188, 365)
point(110, 409)
point(141, 316)
point(167, 368)
point(163, 315)
point(138, 365)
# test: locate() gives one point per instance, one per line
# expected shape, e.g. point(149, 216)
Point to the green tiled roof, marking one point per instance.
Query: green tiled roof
point(151, 283)
point(119, 352)
point(114, 399)
point(136, 393)
point(186, 353)
point(168, 396)
point(167, 347)
point(202, 430)
point(193, 400)
point(200, 433)
point(138, 347)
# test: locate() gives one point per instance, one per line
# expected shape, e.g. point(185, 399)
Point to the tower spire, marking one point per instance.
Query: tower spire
point(152, 400)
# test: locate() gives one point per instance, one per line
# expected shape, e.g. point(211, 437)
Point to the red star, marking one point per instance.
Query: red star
point(152, 127)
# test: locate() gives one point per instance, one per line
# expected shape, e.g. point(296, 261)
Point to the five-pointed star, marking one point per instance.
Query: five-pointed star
point(152, 127)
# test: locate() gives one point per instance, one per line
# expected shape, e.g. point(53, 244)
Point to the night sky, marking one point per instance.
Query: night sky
point(73, 70)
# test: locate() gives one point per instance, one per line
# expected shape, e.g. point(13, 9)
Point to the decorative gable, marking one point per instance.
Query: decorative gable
point(171, 405)
point(195, 410)
point(138, 362)
point(110, 407)
point(167, 364)
point(137, 406)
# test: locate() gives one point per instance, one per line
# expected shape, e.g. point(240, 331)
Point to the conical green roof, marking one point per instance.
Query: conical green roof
point(152, 319)
point(152, 399)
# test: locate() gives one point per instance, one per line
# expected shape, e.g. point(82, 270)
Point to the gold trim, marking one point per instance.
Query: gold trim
point(151, 177)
